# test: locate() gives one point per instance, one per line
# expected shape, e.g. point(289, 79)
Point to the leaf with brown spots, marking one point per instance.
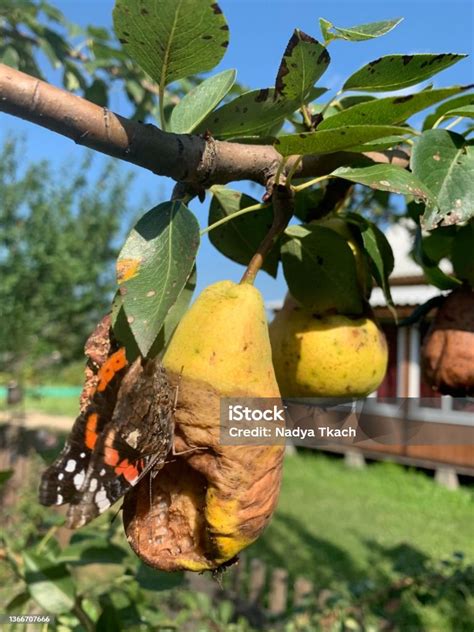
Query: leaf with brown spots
point(359, 33)
point(444, 162)
point(172, 39)
point(330, 140)
point(389, 110)
point(395, 72)
point(304, 61)
point(388, 178)
point(251, 113)
point(165, 241)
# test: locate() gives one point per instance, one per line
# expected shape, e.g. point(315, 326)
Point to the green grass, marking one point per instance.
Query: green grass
point(49, 405)
point(340, 527)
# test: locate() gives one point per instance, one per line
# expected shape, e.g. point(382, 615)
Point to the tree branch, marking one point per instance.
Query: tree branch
point(186, 158)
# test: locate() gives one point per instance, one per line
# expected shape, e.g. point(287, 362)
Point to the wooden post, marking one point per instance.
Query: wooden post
point(354, 459)
point(256, 580)
point(447, 477)
point(303, 588)
point(237, 574)
point(278, 595)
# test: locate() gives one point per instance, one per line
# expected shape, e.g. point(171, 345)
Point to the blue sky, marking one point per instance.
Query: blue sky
point(259, 31)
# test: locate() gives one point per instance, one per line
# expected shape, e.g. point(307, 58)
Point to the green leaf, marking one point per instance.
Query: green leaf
point(124, 334)
point(154, 266)
point(152, 579)
point(380, 144)
point(304, 62)
point(379, 252)
point(10, 57)
point(250, 113)
point(5, 475)
point(306, 201)
point(238, 239)
point(438, 244)
point(444, 162)
point(110, 619)
point(348, 102)
point(395, 72)
point(431, 119)
point(172, 39)
point(319, 268)
point(325, 27)
point(328, 141)
point(388, 178)
point(463, 260)
point(97, 93)
point(315, 93)
point(15, 606)
point(466, 111)
point(197, 104)
point(121, 328)
point(49, 583)
point(389, 110)
point(431, 270)
point(93, 551)
point(174, 315)
point(358, 33)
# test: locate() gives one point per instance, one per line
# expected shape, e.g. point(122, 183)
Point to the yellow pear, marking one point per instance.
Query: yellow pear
point(330, 355)
point(223, 340)
point(213, 499)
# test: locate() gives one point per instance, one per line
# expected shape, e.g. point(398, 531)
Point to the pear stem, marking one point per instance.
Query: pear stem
point(283, 207)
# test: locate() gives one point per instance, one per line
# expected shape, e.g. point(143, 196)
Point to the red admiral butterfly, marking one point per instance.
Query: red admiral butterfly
point(123, 432)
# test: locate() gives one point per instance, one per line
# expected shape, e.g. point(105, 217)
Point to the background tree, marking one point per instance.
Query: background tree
point(59, 235)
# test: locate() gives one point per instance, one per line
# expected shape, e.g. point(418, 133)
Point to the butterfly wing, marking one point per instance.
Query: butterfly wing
point(63, 479)
point(137, 439)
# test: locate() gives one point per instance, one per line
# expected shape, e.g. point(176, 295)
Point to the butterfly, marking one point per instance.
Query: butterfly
point(123, 432)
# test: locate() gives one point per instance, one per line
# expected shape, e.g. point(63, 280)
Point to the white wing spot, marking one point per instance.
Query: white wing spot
point(82, 455)
point(102, 472)
point(70, 465)
point(59, 500)
point(79, 479)
point(132, 438)
point(101, 500)
point(60, 476)
point(93, 485)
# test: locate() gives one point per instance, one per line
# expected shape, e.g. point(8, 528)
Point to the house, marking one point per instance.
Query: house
point(407, 421)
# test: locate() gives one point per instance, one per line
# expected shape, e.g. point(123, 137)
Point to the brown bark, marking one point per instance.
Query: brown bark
point(184, 157)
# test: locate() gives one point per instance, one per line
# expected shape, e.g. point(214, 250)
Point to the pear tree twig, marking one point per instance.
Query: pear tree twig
point(283, 199)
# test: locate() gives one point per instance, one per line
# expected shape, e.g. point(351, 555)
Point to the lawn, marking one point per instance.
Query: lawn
point(353, 534)
point(342, 528)
point(50, 405)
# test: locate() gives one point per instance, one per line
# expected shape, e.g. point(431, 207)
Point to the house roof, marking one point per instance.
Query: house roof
point(400, 237)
